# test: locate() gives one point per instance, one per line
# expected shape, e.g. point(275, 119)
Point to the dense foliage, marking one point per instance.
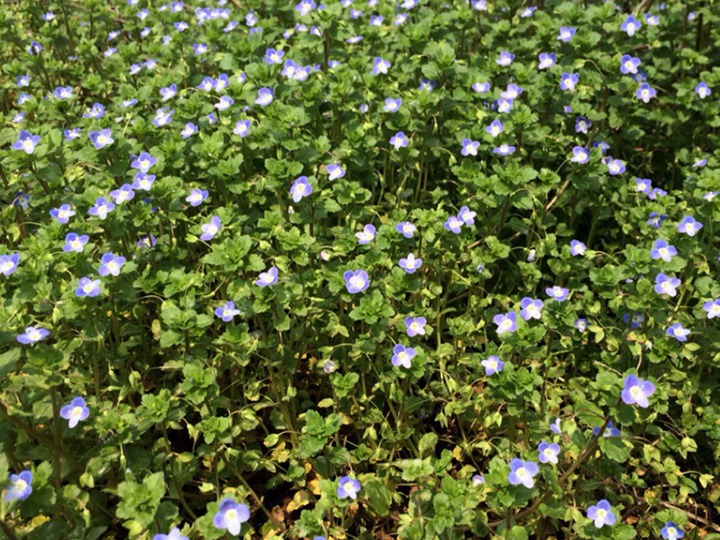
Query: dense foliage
point(411, 269)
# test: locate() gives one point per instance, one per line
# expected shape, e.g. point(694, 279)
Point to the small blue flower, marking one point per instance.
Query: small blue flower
point(196, 197)
point(495, 128)
point(580, 155)
point(610, 431)
point(506, 323)
point(125, 193)
point(174, 534)
point(546, 60)
point(555, 426)
point(630, 25)
point(300, 188)
point(645, 92)
point(581, 325)
point(335, 171)
point(469, 148)
point(189, 130)
point(273, 56)
point(399, 140)
point(577, 248)
point(666, 285)
point(163, 117)
point(522, 472)
point(356, 281)
point(453, 224)
point(703, 90)
point(380, 65)
point(615, 166)
point(678, 332)
point(568, 81)
point(97, 111)
point(392, 105)
point(20, 486)
point(410, 263)
point(402, 356)
point(655, 220)
point(636, 391)
point(227, 312)
point(601, 514)
point(548, 452)
point(101, 208)
point(415, 326)
point(87, 287)
point(467, 215)
point(32, 334)
point(492, 365)
point(689, 226)
point(26, 142)
point(712, 307)
point(481, 87)
point(662, 250)
point(505, 59)
point(566, 33)
point(211, 228)
point(111, 264)
point(671, 531)
point(242, 128)
point(75, 243)
point(9, 263)
point(629, 64)
point(367, 235)
point(531, 308)
point(102, 138)
point(582, 125)
point(504, 150)
point(62, 214)
point(224, 103)
point(230, 516)
point(267, 278)
point(557, 293)
point(75, 412)
point(406, 228)
point(348, 488)
point(144, 162)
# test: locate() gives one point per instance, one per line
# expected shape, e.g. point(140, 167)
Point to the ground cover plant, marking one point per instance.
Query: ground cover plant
point(359, 269)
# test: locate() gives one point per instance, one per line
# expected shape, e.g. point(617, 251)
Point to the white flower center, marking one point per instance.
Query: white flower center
point(357, 282)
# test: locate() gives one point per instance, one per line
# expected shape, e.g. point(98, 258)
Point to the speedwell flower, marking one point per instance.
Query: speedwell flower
point(601, 514)
point(356, 281)
point(348, 488)
point(20, 486)
point(62, 214)
point(492, 365)
point(662, 250)
point(666, 285)
point(548, 452)
point(87, 287)
point(300, 188)
point(689, 226)
point(111, 264)
point(75, 411)
point(636, 391)
point(402, 356)
point(410, 263)
point(531, 308)
point(227, 312)
point(506, 323)
point(32, 335)
point(26, 142)
point(712, 307)
point(211, 228)
point(522, 472)
point(267, 278)
point(367, 235)
point(415, 326)
point(231, 515)
point(677, 331)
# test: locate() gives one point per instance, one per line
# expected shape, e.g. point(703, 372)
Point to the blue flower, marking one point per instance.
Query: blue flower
point(610, 430)
point(356, 281)
point(87, 287)
point(469, 148)
point(703, 90)
point(380, 66)
point(75, 243)
point(63, 92)
point(601, 514)
point(300, 188)
point(582, 125)
point(189, 130)
point(662, 250)
point(224, 103)
point(402, 356)
point(392, 105)
point(492, 365)
point(305, 7)
point(453, 224)
point(163, 117)
point(505, 58)
point(504, 105)
point(651, 20)
point(629, 64)
point(645, 92)
point(196, 197)
point(211, 228)
point(546, 60)
point(671, 531)
point(143, 181)
point(415, 326)
point(367, 235)
point(125, 193)
point(481, 87)
point(227, 312)
point(62, 214)
point(231, 515)
point(581, 324)
point(643, 185)
point(531, 308)
point(144, 162)
point(495, 128)
point(267, 278)
point(577, 248)
point(630, 25)
point(548, 452)
point(637, 320)
point(678, 332)
point(512, 91)
point(555, 426)
point(111, 264)
point(568, 81)
point(566, 33)
point(689, 226)
point(32, 335)
point(557, 293)
point(666, 285)
point(504, 150)
point(615, 166)
point(399, 140)
point(20, 486)
point(655, 220)
point(410, 263)
point(467, 215)
point(102, 138)
point(242, 128)
point(75, 411)
point(580, 155)
point(406, 228)
point(712, 307)
point(221, 83)
point(97, 111)
point(348, 487)
point(101, 208)
point(636, 391)
point(273, 57)
point(506, 322)
point(9, 263)
point(522, 472)
point(335, 171)
point(26, 142)
point(174, 534)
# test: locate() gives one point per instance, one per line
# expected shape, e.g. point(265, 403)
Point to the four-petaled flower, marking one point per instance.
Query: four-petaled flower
point(629, 64)
point(677, 331)
point(102, 138)
point(712, 307)
point(410, 263)
point(531, 308)
point(74, 242)
point(231, 515)
point(111, 264)
point(380, 66)
point(671, 531)
point(548, 452)
point(662, 250)
point(492, 365)
point(703, 90)
point(367, 235)
point(348, 488)
point(666, 285)
point(689, 226)
point(227, 312)
point(335, 171)
point(577, 248)
point(454, 224)
point(469, 148)
point(580, 154)
point(601, 514)
point(506, 322)
point(402, 356)
point(101, 208)
point(568, 81)
point(645, 92)
point(566, 33)
point(558, 293)
point(522, 472)
point(300, 188)
point(406, 228)
point(32, 335)
point(9, 263)
point(269, 277)
point(242, 128)
point(196, 197)
point(399, 140)
point(20, 486)
point(356, 280)
point(265, 96)
point(637, 391)
point(87, 287)
point(211, 228)
point(75, 411)
point(143, 162)
point(415, 326)
point(630, 25)
point(26, 142)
